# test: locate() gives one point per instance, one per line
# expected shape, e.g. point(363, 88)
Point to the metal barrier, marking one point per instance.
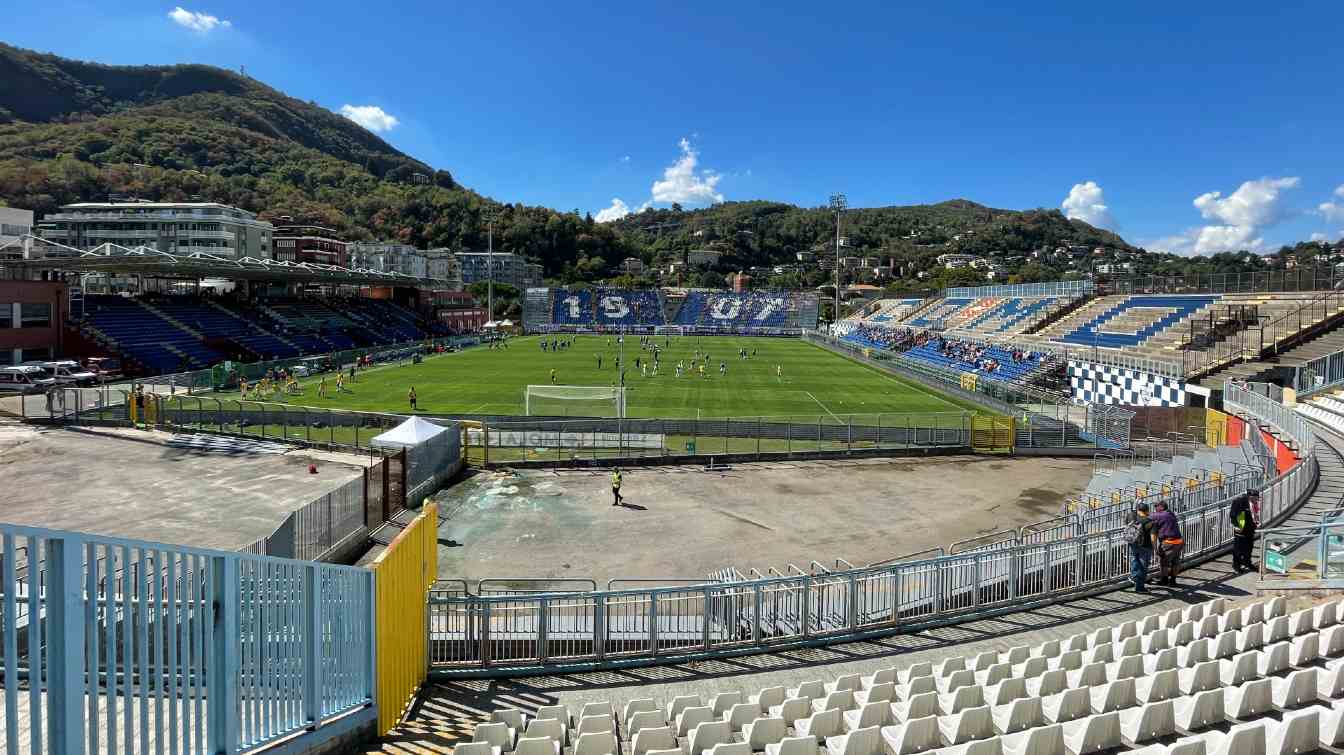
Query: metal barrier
point(475, 632)
point(1240, 398)
point(1315, 551)
point(404, 573)
point(136, 647)
point(1054, 288)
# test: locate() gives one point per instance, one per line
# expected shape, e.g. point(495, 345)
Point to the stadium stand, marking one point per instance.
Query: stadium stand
point(1210, 677)
point(142, 336)
point(605, 307)
point(886, 310)
point(727, 309)
point(1133, 320)
point(705, 311)
point(937, 314)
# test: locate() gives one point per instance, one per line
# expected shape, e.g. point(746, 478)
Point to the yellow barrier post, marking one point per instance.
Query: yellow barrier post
point(403, 575)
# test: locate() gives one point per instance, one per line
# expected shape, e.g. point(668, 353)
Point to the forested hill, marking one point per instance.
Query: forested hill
point(72, 131)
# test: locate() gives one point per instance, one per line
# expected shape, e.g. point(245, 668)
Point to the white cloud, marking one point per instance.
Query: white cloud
point(683, 184)
point(616, 211)
point(1210, 239)
point(197, 21)
point(370, 117)
point(1254, 203)
point(1333, 211)
point(1087, 203)
point(625, 158)
point(1319, 237)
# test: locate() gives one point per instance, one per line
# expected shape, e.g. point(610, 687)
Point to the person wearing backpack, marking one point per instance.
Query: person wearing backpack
point(1138, 534)
point(1243, 529)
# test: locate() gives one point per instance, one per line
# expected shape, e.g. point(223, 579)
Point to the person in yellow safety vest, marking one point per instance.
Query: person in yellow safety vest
point(616, 498)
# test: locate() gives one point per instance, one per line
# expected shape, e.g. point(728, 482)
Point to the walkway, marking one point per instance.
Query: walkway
point(447, 712)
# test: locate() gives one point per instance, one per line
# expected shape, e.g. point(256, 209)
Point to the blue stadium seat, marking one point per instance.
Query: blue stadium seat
point(940, 311)
point(1095, 332)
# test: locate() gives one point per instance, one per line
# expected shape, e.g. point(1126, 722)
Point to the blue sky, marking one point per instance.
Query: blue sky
point(1189, 130)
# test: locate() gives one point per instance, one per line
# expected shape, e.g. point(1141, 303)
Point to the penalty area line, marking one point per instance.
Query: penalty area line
point(823, 406)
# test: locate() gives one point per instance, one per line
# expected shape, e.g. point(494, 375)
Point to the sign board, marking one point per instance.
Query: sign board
point(1275, 562)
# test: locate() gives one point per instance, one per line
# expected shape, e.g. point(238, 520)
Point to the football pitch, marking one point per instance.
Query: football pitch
point(810, 381)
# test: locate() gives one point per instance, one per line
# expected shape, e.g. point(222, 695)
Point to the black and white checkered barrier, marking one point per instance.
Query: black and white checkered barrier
point(1105, 384)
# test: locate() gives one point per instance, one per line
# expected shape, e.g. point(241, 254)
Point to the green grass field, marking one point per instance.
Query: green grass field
point(491, 381)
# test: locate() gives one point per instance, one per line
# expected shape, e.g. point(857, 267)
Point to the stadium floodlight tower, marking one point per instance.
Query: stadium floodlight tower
point(489, 217)
point(838, 205)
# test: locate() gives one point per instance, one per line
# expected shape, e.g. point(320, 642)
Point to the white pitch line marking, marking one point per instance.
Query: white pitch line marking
point(823, 406)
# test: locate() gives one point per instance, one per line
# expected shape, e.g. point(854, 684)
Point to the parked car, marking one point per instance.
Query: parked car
point(24, 379)
point(66, 372)
point(106, 368)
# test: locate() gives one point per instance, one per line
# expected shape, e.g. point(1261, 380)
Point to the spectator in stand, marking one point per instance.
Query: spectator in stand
point(1169, 544)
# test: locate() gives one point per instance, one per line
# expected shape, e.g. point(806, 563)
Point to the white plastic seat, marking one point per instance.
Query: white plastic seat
point(994, 674)
point(1304, 650)
point(1196, 652)
point(1253, 613)
point(1194, 612)
point(1128, 667)
point(1301, 622)
point(990, 746)
point(732, 748)
point(813, 689)
point(1090, 675)
point(1331, 719)
point(1125, 630)
point(1129, 646)
point(1251, 638)
point(949, 665)
point(955, 680)
point(1223, 645)
point(1102, 636)
point(595, 725)
point(1050, 683)
point(553, 713)
point(1207, 627)
point(849, 682)
point(1241, 667)
point(1184, 746)
point(514, 717)
point(1158, 639)
point(742, 714)
point(882, 692)
point(881, 676)
point(983, 660)
point(1067, 705)
point(1147, 721)
point(841, 699)
point(1099, 654)
point(1330, 682)
point(596, 743)
point(1113, 696)
point(1005, 691)
point(1162, 660)
point(793, 709)
point(819, 725)
point(644, 719)
point(1149, 624)
point(865, 741)
point(769, 697)
point(1294, 690)
point(1274, 658)
point(708, 734)
point(968, 724)
point(1201, 677)
point(1200, 710)
point(724, 702)
point(1332, 641)
point(1182, 634)
point(537, 746)
point(1172, 618)
point(764, 731)
point(496, 734)
point(1068, 660)
point(659, 738)
point(1093, 733)
point(1275, 608)
point(1230, 621)
point(639, 705)
point(920, 706)
point(1299, 731)
point(1047, 649)
point(1077, 642)
point(1015, 655)
point(1164, 685)
point(916, 686)
point(1276, 630)
point(792, 746)
point(871, 714)
point(693, 717)
point(1326, 615)
point(962, 698)
point(914, 671)
point(596, 709)
point(680, 703)
point(1042, 740)
point(551, 728)
point(1248, 700)
point(1241, 738)
point(476, 748)
point(915, 735)
point(1021, 714)
point(673, 751)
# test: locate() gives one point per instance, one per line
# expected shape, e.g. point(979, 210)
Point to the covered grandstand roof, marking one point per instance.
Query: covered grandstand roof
point(111, 258)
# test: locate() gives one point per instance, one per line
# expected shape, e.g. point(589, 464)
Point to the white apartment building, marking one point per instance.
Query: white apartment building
point(181, 228)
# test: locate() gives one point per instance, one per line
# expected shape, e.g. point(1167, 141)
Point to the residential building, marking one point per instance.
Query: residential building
point(702, 257)
point(508, 267)
point(632, 266)
point(14, 225)
point(32, 320)
point(388, 257)
point(180, 228)
point(533, 276)
point(442, 265)
point(954, 261)
point(296, 242)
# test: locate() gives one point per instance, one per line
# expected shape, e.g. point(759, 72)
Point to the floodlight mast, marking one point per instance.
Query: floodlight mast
point(838, 206)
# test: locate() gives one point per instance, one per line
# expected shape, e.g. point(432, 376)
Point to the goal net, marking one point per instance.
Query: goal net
point(669, 330)
point(573, 401)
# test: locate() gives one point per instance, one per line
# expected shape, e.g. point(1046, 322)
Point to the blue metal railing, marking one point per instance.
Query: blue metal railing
point(131, 646)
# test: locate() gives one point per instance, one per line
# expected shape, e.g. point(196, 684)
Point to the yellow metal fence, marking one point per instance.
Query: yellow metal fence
point(403, 575)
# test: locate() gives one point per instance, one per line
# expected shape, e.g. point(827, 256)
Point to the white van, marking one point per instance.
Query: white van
point(66, 372)
point(24, 379)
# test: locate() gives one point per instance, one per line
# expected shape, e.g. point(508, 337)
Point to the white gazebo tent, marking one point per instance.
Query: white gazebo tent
point(408, 434)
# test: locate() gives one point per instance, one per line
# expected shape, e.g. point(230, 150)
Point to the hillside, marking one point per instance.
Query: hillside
point(72, 130)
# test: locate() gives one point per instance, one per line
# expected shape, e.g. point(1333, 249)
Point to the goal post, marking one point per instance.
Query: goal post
point(669, 330)
point(573, 401)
